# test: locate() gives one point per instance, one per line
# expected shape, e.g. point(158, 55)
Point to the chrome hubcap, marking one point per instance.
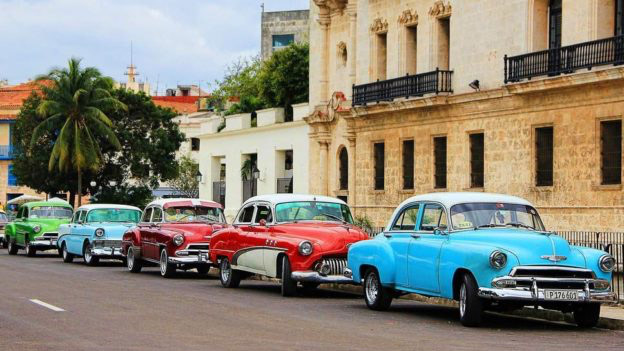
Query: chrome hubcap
point(462, 299)
point(225, 270)
point(163, 262)
point(372, 288)
point(64, 251)
point(130, 259)
point(88, 254)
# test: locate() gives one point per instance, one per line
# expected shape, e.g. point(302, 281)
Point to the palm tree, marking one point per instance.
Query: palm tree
point(73, 109)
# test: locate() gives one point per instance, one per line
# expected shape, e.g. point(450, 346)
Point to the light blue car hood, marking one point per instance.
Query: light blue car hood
point(112, 231)
point(529, 247)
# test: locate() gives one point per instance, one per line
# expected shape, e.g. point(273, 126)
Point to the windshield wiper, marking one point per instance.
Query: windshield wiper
point(522, 225)
point(489, 225)
point(334, 217)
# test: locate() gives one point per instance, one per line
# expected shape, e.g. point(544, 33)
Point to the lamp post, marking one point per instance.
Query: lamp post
point(198, 176)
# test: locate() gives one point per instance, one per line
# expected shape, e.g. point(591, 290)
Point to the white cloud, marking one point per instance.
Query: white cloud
point(174, 41)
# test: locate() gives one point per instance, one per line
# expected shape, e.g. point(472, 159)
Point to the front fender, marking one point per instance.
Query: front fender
point(9, 230)
point(592, 257)
point(376, 253)
point(474, 258)
point(132, 237)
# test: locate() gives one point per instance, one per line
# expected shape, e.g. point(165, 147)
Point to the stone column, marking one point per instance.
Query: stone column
point(352, 170)
point(352, 11)
point(324, 20)
point(323, 169)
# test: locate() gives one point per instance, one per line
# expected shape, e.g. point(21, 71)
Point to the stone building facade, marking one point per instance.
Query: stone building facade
point(464, 98)
point(281, 28)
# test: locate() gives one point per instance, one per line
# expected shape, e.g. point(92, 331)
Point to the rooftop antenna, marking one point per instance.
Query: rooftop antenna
point(131, 73)
point(157, 80)
point(262, 6)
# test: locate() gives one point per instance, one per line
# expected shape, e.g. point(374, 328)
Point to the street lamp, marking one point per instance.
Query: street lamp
point(198, 176)
point(93, 183)
point(255, 174)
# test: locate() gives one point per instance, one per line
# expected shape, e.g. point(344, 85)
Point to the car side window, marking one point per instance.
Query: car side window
point(157, 215)
point(263, 212)
point(406, 220)
point(19, 213)
point(25, 212)
point(246, 214)
point(433, 217)
point(76, 217)
point(147, 215)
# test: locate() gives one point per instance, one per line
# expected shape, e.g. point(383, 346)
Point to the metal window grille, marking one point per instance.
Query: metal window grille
point(439, 155)
point(218, 192)
point(379, 151)
point(284, 185)
point(344, 169)
point(408, 164)
point(611, 151)
point(250, 188)
point(619, 17)
point(544, 156)
point(476, 160)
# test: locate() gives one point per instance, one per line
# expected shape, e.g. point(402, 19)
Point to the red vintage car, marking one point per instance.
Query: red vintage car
point(175, 234)
point(298, 238)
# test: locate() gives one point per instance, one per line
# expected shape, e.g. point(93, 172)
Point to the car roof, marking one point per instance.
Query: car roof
point(107, 206)
point(48, 203)
point(450, 199)
point(183, 200)
point(281, 198)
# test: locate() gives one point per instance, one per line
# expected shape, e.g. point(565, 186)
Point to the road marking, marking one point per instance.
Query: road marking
point(47, 305)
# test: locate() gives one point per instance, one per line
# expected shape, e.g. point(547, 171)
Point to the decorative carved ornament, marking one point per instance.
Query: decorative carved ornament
point(408, 18)
point(342, 49)
point(440, 9)
point(379, 26)
point(327, 113)
point(332, 5)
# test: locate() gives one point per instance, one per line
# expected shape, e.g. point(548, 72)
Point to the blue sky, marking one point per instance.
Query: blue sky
point(183, 42)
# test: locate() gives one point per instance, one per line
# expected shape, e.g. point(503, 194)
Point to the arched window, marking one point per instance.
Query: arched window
point(344, 169)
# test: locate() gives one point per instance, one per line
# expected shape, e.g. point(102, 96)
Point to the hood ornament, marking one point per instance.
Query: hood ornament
point(554, 258)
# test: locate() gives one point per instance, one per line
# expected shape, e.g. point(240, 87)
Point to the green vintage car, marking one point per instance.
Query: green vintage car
point(36, 226)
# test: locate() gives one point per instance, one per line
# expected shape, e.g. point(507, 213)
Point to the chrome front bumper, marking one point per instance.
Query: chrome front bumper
point(43, 244)
point(316, 277)
point(107, 252)
point(183, 257)
point(536, 294)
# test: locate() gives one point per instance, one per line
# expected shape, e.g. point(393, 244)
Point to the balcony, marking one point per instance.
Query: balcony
point(284, 185)
point(565, 60)
point(6, 152)
point(434, 82)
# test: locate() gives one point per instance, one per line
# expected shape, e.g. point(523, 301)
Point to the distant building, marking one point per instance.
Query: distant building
point(281, 28)
point(186, 90)
point(180, 104)
point(132, 83)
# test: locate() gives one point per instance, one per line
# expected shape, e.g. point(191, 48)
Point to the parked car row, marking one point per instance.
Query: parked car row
point(487, 251)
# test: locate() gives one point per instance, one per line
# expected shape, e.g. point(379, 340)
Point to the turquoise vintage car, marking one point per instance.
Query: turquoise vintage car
point(95, 232)
point(488, 251)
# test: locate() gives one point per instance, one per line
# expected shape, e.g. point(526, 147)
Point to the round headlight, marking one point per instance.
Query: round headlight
point(606, 263)
point(178, 239)
point(99, 232)
point(37, 228)
point(305, 248)
point(498, 259)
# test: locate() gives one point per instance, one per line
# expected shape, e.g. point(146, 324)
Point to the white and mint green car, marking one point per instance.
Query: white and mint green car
point(95, 232)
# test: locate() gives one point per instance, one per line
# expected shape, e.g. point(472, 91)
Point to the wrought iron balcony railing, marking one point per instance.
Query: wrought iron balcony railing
point(434, 82)
point(566, 59)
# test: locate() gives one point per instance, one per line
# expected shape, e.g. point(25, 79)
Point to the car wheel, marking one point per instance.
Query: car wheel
point(88, 257)
point(11, 247)
point(133, 263)
point(289, 285)
point(377, 297)
point(67, 257)
point(203, 270)
point(587, 315)
point(230, 278)
point(167, 270)
point(470, 304)
point(30, 250)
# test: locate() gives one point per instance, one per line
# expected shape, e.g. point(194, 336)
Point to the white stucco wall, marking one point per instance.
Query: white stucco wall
point(268, 142)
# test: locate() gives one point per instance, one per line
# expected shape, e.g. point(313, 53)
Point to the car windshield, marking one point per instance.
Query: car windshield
point(113, 215)
point(312, 211)
point(483, 215)
point(50, 212)
point(194, 214)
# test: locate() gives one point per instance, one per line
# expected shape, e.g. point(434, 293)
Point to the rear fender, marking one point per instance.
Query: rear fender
point(372, 253)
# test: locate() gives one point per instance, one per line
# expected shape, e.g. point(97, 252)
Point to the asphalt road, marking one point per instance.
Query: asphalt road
point(108, 308)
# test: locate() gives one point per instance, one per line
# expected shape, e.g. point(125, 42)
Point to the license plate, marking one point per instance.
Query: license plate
point(561, 295)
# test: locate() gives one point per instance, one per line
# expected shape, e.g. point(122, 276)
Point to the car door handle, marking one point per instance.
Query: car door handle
point(388, 235)
point(415, 236)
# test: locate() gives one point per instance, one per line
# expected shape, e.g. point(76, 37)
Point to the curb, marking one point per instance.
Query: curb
point(549, 315)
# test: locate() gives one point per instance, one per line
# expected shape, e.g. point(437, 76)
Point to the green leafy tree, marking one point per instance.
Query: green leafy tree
point(75, 104)
point(186, 183)
point(240, 80)
point(283, 78)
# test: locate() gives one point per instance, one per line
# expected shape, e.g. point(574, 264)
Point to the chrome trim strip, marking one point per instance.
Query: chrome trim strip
point(315, 277)
point(585, 295)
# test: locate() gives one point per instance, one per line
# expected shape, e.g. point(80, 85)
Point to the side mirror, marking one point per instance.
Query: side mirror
point(262, 223)
point(440, 231)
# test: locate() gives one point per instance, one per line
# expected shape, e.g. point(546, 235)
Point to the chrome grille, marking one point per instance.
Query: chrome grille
point(336, 265)
point(198, 247)
point(552, 272)
point(50, 235)
point(107, 243)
